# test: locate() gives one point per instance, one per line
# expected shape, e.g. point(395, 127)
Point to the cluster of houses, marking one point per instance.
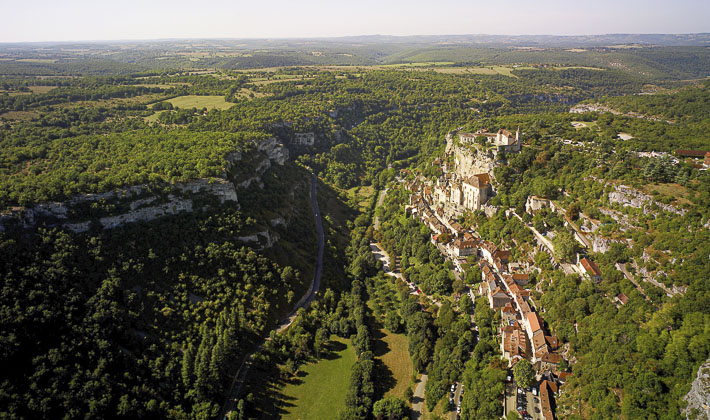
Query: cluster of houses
point(438, 204)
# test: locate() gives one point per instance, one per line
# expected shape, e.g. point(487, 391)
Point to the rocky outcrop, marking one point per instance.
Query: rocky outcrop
point(698, 398)
point(620, 218)
point(583, 108)
point(263, 239)
point(174, 206)
point(534, 204)
point(602, 245)
point(627, 196)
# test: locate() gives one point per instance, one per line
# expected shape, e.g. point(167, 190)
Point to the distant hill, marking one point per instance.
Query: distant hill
point(650, 56)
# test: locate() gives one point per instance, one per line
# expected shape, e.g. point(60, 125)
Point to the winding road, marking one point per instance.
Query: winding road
point(308, 297)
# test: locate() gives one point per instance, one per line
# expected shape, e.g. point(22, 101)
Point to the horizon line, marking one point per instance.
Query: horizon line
point(218, 38)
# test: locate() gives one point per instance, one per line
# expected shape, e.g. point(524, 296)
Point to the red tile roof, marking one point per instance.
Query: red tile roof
point(590, 267)
point(484, 178)
point(522, 277)
point(552, 358)
point(535, 321)
point(553, 342)
point(623, 298)
point(691, 153)
point(546, 401)
point(539, 342)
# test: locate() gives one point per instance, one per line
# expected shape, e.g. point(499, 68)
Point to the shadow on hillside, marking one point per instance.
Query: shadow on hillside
point(384, 379)
point(265, 383)
point(380, 347)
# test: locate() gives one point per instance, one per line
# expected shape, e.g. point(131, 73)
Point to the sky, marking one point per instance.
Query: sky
point(73, 20)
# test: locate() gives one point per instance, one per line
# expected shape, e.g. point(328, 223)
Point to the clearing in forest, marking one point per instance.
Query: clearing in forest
point(199, 102)
point(321, 387)
point(361, 195)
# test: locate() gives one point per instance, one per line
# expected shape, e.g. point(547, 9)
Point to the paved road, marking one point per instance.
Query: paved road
point(380, 200)
point(240, 376)
point(418, 399)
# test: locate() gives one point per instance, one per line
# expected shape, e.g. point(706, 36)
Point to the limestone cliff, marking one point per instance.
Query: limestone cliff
point(470, 159)
point(140, 203)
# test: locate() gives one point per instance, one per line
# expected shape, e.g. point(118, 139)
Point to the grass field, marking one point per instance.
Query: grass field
point(142, 99)
point(676, 191)
point(362, 195)
point(151, 118)
point(164, 85)
point(276, 79)
point(396, 358)
point(18, 115)
point(36, 60)
point(33, 89)
point(199, 102)
point(323, 385)
point(245, 93)
point(586, 124)
point(422, 64)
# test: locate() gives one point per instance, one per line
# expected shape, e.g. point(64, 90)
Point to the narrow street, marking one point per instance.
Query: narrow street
point(380, 200)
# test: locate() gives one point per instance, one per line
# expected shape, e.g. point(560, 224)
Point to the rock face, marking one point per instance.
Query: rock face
point(141, 209)
point(303, 139)
point(627, 196)
point(699, 396)
point(470, 160)
point(274, 150)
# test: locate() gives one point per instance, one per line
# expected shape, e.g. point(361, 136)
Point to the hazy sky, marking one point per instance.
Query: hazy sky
point(62, 20)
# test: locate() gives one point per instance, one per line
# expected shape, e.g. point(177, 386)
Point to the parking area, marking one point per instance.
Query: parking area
point(524, 402)
point(455, 396)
